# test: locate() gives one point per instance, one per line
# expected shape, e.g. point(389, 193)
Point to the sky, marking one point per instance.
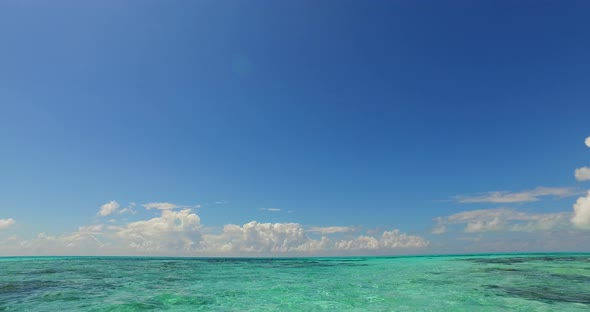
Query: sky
point(272, 128)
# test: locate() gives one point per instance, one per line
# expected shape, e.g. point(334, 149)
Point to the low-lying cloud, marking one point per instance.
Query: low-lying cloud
point(180, 232)
point(582, 174)
point(6, 223)
point(491, 220)
point(516, 197)
point(581, 216)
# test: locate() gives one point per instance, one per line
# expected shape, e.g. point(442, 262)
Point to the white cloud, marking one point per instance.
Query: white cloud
point(582, 174)
point(515, 197)
point(269, 238)
point(6, 223)
point(91, 229)
point(166, 206)
point(84, 241)
point(270, 209)
point(161, 206)
point(388, 240)
point(490, 220)
point(180, 232)
point(581, 217)
point(484, 225)
point(330, 229)
point(129, 209)
point(542, 222)
point(108, 208)
point(258, 237)
point(173, 230)
point(587, 141)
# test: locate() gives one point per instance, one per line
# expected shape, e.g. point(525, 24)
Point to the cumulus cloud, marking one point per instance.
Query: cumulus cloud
point(108, 208)
point(257, 237)
point(582, 174)
point(515, 197)
point(489, 220)
point(173, 230)
point(181, 233)
point(84, 241)
point(6, 223)
point(387, 240)
point(178, 231)
point(172, 233)
point(581, 216)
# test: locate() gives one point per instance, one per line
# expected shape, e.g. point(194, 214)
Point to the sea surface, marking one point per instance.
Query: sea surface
point(523, 282)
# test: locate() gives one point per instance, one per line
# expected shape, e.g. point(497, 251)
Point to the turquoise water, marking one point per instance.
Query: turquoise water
point(539, 282)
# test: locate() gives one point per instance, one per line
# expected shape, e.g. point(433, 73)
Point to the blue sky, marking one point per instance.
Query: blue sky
point(358, 118)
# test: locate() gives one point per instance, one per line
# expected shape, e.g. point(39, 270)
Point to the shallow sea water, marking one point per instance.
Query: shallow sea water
point(533, 282)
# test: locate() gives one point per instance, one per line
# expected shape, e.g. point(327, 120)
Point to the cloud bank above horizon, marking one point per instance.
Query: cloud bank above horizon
point(178, 231)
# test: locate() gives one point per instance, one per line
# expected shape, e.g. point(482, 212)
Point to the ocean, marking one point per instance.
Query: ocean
point(509, 282)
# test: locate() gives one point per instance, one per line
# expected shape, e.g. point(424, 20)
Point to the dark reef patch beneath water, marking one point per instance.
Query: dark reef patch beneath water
point(524, 259)
point(541, 293)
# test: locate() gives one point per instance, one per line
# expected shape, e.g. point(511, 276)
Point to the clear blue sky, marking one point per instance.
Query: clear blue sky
point(371, 114)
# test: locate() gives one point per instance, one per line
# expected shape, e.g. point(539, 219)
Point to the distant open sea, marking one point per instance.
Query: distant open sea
point(523, 282)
